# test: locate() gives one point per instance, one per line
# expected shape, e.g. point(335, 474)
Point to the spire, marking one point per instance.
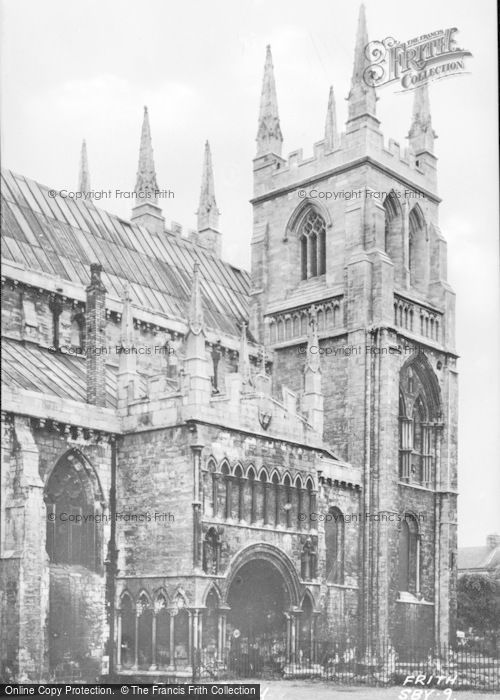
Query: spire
point(421, 134)
point(208, 214)
point(269, 136)
point(244, 359)
point(331, 135)
point(146, 175)
point(362, 96)
point(208, 235)
point(146, 210)
point(84, 176)
point(195, 318)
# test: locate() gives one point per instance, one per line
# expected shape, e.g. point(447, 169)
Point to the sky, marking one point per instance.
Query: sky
point(86, 69)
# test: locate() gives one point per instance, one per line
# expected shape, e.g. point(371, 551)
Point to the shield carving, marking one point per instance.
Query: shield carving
point(265, 411)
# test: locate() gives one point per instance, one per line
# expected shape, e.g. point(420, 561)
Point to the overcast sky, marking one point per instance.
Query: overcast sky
point(86, 69)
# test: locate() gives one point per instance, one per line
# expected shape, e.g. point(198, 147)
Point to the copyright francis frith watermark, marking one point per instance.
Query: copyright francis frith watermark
point(411, 63)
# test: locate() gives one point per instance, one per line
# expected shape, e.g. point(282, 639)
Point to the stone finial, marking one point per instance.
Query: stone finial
point(195, 318)
point(208, 213)
point(269, 136)
point(146, 184)
point(362, 98)
point(331, 134)
point(84, 175)
point(421, 135)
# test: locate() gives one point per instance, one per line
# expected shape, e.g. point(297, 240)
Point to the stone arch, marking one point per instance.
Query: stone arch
point(301, 211)
point(272, 555)
point(421, 367)
point(73, 490)
point(212, 587)
point(251, 472)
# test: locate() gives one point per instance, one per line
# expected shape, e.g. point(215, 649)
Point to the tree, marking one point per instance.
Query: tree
point(478, 603)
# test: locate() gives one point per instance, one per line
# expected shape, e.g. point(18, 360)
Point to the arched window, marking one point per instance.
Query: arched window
point(226, 510)
point(334, 545)
point(392, 225)
point(312, 245)
point(276, 499)
point(311, 502)
point(181, 636)
point(69, 495)
point(306, 629)
point(417, 260)
point(409, 555)
point(210, 623)
point(162, 632)
point(419, 410)
point(237, 502)
point(144, 632)
point(127, 637)
point(264, 490)
point(252, 495)
point(288, 505)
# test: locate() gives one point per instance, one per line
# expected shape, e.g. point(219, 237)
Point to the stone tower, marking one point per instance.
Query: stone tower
point(350, 239)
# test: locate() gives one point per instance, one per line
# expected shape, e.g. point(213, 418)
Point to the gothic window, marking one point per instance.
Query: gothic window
point(288, 506)
point(306, 629)
point(226, 496)
point(127, 638)
point(144, 632)
point(392, 225)
point(211, 552)
point(264, 489)
point(416, 247)
point(409, 553)
point(210, 623)
point(69, 495)
point(253, 494)
point(334, 544)
point(311, 501)
point(162, 632)
point(181, 637)
point(276, 499)
point(312, 238)
point(418, 413)
point(237, 501)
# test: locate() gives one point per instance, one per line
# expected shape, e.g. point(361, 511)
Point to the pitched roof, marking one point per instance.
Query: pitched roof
point(29, 366)
point(478, 558)
point(62, 237)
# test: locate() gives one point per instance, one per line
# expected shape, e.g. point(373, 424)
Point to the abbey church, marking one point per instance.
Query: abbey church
point(200, 462)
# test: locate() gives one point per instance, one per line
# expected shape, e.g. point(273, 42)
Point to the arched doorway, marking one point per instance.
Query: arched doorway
point(258, 598)
point(74, 543)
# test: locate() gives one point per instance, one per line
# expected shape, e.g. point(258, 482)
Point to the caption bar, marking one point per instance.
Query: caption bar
point(64, 690)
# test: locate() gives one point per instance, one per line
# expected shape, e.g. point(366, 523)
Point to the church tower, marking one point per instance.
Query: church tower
point(349, 241)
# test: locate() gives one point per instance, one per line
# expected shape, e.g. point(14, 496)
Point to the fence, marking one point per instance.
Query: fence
point(448, 667)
